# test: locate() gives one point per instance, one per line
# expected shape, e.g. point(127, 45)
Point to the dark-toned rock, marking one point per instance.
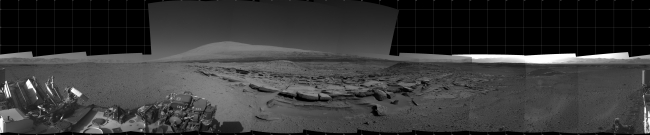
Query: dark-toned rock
point(390, 95)
point(379, 110)
point(267, 117)
point(394, 102)
point(406, 89)
point(380, 95)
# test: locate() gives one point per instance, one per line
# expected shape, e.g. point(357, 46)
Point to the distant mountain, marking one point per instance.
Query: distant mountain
point(234, 51)
point(56, 61)
point(604, 61)
point(498, 60)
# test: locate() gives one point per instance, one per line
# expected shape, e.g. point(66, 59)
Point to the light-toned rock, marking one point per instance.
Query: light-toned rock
point(403, 84)
point(338, 93)
point(263, 87)
point(324, 97)
point(301, 88)
point(309, 96)
point(379, 110)
point(288, 93)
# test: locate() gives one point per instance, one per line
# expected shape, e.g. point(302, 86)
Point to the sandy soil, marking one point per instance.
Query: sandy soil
point(473, 97)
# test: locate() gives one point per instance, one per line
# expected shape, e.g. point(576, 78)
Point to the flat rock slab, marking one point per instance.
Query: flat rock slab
point(288, 93)
point(263, 87)
point(338, 93)
point(309, 96)
point(403, 84)
point(301, 88)
point(333, 87)
point(232, 78)
point(350, 87)
point(324, 97)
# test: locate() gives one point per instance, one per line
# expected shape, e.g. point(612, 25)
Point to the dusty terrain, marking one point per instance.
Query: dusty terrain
point(278, 96)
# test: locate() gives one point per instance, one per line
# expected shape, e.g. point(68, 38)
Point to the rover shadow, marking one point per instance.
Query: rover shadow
point(227, 126)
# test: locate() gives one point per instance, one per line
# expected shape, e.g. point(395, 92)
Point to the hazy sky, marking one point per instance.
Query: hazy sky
point(346, 27)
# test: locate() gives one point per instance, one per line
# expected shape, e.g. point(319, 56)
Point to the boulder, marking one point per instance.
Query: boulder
point(309, 96)
point(379, 110)
point(324, 97)
point(380, 95)
point(263, 87)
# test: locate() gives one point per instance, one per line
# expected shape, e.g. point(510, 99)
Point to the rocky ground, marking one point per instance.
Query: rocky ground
point(285, 96)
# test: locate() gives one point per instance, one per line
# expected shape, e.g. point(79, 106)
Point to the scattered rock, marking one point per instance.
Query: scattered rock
point(414, 103)
point(324, 97)
point(263, 87)
point(267, 117)
point(380, 95)
point(406, 89)
point(379, 110)
point(309, 96)
point(423, 80)
point(390, 95)
point(240, 84)
point(394, 102)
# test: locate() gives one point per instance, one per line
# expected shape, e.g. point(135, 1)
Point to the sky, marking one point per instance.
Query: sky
point(340, 27)
point(550, 58)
